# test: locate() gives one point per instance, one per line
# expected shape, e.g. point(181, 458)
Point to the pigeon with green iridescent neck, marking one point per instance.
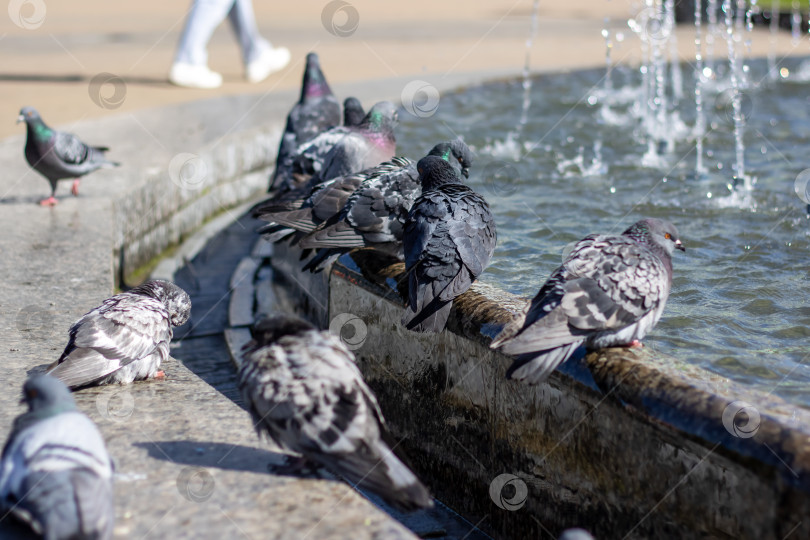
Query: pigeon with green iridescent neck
point(316, 111)
point(610, 290)
point(343, 150)
point(448, 241)
point(55, 473)
point(304, 390)
point(57, 155)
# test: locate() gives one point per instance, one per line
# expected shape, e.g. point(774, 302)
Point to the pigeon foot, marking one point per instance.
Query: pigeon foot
point(636, 344)
point(50, 201)
point(75, 188)
point(160, 375)
point(293, 466)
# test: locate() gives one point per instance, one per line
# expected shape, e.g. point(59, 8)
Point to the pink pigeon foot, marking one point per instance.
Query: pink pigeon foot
point(636, 344)
point(75, 188)
point(50, 201)
point(160, 375)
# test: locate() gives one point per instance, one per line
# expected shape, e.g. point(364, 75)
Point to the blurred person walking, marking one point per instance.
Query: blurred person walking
point(190, 68)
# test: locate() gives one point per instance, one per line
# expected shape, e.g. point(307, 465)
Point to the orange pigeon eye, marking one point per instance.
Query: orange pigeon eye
point(668, 236)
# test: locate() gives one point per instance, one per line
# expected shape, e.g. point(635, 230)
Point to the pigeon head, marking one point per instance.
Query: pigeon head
point(271, 329)
point(46, 395)
point(353, 112)
point(457, 153)
point(435, 171)
point(314, 84)
point(28, 115)
point(176, 300)
point(656, 232)
point(382, 118)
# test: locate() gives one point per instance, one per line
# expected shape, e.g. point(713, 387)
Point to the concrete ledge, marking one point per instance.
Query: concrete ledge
point(620, 442)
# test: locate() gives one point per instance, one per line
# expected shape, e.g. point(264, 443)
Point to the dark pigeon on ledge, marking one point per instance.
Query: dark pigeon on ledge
point(316, 111)
point(449, 239)
point(610, 290)
point(57, 155)
point(125, 339)
point(304, 390)
point(55, 473)
point(353, 112)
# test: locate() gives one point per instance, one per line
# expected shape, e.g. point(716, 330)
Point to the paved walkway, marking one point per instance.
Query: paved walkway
point(53, 65)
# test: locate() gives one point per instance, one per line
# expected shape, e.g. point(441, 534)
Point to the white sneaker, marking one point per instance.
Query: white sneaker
point(270, 61)
point(192, 76)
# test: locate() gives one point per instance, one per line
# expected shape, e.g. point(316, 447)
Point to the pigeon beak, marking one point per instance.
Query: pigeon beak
point(20, 118)
point(679, 245)
point(465, 171)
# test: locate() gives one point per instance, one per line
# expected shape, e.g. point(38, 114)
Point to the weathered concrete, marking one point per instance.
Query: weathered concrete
point(620, 442)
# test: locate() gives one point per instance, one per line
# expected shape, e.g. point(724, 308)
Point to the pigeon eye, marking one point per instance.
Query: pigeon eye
point(668, 236)
point(32, 393)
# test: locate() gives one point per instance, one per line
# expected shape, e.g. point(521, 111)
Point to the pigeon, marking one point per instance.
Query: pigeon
point(57, 155)
point(124, 339)
point(55, 473)
point(342, 150)
point(576, 534)
point(316, 111)
point(353, 112)
point(304, 390)
point(448, 240)
point(610, 290)
point(374, 215)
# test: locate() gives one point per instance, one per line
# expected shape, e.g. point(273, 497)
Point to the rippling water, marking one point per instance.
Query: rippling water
point(739, 303)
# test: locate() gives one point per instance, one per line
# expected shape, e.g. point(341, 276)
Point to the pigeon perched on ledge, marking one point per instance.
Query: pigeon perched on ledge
point(610, 290)
point(57, 155)
point(55, 473)
point(304, 390)
point(341, 150)
point(449, 238)
point(124, 339)
point(316, 111)
point(353, 112)
point(374, 215)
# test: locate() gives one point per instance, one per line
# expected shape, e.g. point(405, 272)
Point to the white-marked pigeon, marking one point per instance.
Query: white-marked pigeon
point(304, 390)
point(316, 111)
point(124, 339)
point(57, 155)
point(610, 290)
point(374, 215)
point(55, 474)
point(342, 150)
point(353, 112)
point(449, 238)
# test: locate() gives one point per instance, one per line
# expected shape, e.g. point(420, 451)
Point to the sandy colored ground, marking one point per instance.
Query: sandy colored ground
point(52, 64)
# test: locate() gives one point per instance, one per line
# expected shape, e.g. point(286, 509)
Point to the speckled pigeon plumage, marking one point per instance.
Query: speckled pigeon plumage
point(610, 290)
point(375, 214)
point(448, 240)
point(57, 155)
point(353, 112)
point(316, 111)
point(124, 339)
point(304, 390)
point(343, 150)
point(55, 473)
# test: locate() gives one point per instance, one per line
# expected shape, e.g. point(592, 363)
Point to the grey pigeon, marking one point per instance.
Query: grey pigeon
point(124, 339)
point(317, 110)
point(576, 534)
point(374, 215)
point(353, 112)
point(343, 150)
point(304, 390)
point(57, 155)
point(610, 290)
point(55, 474)
point(448, 240)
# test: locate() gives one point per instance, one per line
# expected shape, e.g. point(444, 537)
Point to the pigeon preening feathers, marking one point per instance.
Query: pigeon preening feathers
point(610, 290)
point(55, 473)
point(57, 155)
point(124, 339)
point(341, 150)
point(304, 390)
point(316, 111)
point(448, 240)
point(374, 215)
